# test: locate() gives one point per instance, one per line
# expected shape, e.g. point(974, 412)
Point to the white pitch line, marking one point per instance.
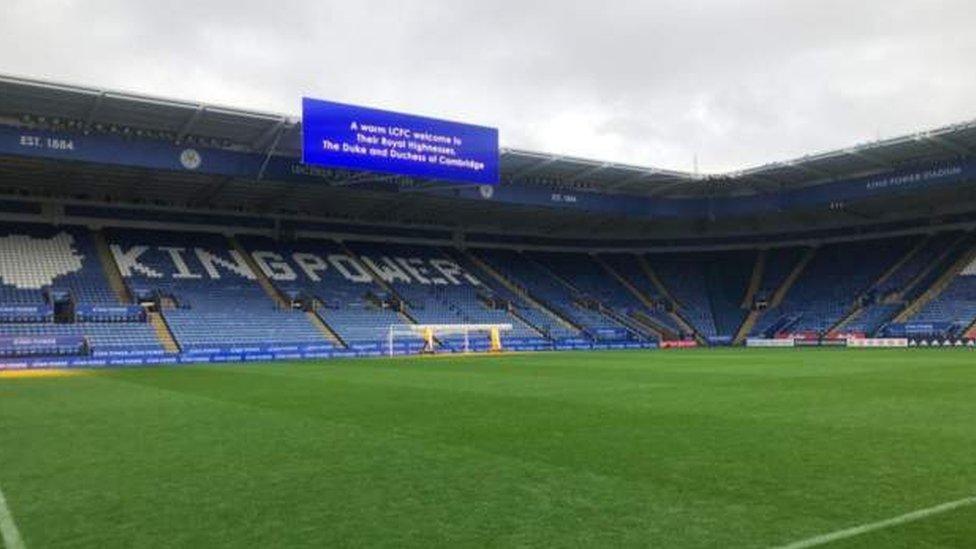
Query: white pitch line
point(881, 524)
point(8, 528)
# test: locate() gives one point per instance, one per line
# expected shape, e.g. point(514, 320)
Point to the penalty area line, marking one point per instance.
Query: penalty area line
point(880, 525)
point(8, 528)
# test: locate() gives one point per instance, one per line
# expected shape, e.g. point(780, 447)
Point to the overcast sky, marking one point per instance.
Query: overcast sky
point(649, 82)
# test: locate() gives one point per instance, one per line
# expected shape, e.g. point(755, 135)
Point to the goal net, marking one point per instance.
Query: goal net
point(433, 338)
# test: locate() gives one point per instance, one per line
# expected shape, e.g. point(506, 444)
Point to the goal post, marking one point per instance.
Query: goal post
point(432, 334)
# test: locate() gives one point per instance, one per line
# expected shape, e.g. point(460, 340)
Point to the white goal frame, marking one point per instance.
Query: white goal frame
point(429, 332)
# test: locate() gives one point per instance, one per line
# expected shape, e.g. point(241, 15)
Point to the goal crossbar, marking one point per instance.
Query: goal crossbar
point(430, 332)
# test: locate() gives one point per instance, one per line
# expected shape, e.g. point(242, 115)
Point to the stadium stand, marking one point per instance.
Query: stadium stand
point(684, 278)
point(889, 294)
point(596, 290)
point(779, 263)
point(437, 290)
point(828, 288)
point(38, 258)
point(727, 276)
point(927, 264)
point(207, 245)
point(54, 290)
point(207, 294)
point(103, 339)
point(519, 304)
point(336, 287)
point(872, 318)
point(205, 291)
point(628, 269)
point(955, 305)
point(554, 293)
point(707, 289)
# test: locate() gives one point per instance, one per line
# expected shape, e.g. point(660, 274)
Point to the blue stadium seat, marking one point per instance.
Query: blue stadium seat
point(955, 305)
point(454, 297)
point(218, 303)
point(348, 303)
point(830, 285)
point(556, 293)
point(34, 259)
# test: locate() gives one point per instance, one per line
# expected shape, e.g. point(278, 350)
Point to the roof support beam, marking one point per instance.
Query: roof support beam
point(188, 125)
point(93, 111)
point(271, 134)
point(270, 152)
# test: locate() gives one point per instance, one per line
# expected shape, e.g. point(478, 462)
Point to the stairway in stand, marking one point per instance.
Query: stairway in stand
point(262, 278)
point(755, 281)
point(519, 291)
point(943, 281)
point(325, 329)
point(163, 333)
point(111, 268)
point(674, 313)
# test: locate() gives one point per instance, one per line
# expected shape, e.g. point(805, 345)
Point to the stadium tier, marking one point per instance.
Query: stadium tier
point(600, 301)
point(503, 292)
point(829, 286)
point(39, 258)
point(74, 291)
point(707, 289)
point(684, 279)
point(778, 264)
point(556, 294)
point(632, 271)
point(908, 278)
point(437, 290)
point(954, 308)
point(337, 287)
point(208, 294)
point(55, 298)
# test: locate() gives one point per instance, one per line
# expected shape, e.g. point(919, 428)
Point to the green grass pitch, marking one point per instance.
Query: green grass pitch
point(709, 448)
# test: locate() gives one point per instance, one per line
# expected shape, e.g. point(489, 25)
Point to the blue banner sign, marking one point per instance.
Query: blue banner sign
point(40, 345)
point(918, 329)
point(140, 358)
point(26, 313)
point(336, 135)
point(101, 313)
point(25, 309)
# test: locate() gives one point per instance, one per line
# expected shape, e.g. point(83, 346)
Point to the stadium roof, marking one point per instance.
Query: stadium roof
point(87, 108)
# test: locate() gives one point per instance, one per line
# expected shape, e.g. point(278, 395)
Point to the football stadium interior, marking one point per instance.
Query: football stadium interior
point(137, 229)
point(143, 231)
